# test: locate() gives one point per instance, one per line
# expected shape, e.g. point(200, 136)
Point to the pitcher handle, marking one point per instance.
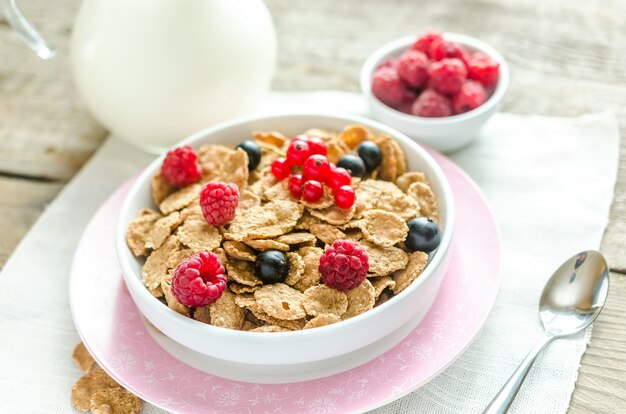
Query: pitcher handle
point(22, 27)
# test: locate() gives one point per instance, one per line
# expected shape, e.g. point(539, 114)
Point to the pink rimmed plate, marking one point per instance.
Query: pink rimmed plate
point(113, 330)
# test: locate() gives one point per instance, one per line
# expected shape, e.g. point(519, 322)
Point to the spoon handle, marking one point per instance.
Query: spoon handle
point(502, 401)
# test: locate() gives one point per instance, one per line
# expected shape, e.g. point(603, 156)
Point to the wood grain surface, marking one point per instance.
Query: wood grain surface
point(566, 59)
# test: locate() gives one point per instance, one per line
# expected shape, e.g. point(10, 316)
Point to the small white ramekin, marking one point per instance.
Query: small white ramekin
point(445, 134)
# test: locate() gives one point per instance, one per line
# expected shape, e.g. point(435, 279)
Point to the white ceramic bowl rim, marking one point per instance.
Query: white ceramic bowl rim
point(189, 323)
point(398, 45)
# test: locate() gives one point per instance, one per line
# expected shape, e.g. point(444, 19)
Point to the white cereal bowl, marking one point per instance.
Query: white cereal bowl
point(281, 349)
point(445, 134)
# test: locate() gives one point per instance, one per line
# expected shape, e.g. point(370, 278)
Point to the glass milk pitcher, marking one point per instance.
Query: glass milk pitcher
point(154, 71)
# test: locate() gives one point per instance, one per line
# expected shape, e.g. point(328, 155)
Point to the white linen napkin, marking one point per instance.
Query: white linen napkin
point(550, 184)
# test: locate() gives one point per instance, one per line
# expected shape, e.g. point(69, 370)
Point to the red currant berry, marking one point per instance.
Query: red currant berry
point(317, 146)
point(281, 168)
point(295, 185)
point(301, 137)
point(298, 152)
point(312, 191)
point(316, 167)
point(344, 196)
point(338, 176)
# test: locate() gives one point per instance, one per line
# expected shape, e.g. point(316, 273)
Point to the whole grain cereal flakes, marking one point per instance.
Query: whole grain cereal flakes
point(202, 314)
point(279, 191)
point(384, 260)
point(269, 328)
point(82, 358)
point(285, 323)
point(238, 288)
point(234, 169)
point(85, 387)
point(322, 299)
point(360, 299)
point(115, 400)
point(272, 138)
point(241, 271)
point(160, 188)
point(211, 156)
point(296, 238)
point(388, 169)
point(335, 215)
point(322, 320)
point(405, 180)
point(280, 301)
point(385, 195)
point(296, 268)
point(327, 233)
point(180, 199)
point(245, 300)
point(238, 250)
point(414, 268)
point(226, 313)
point(325, 201)
point(162, 229)
point(264, 245)
point(138, 230)
point(306, 221)
point(353, 135)
point(199, 236)
point(426, 199)
point(383, 228)
point(382, 283)
point(270, 220)
point(311, 275)
point(247, 199)
point(175, 258)
point(155, 268)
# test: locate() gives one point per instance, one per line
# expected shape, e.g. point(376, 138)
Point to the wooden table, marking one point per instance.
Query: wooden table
point(566, 58)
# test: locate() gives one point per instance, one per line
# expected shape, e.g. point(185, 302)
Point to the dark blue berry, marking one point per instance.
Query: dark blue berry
point(352, 163)
point(370, 154)
point(271, 266)
point(254, 153)
point(424, 235)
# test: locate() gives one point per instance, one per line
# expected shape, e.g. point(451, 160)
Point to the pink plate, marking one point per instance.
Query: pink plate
point(111, 327)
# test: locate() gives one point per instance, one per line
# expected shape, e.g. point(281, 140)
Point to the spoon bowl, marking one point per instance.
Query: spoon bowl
point(571, 300)
point(575, 294)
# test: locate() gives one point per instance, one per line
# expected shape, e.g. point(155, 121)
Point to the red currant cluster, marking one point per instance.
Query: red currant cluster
point(306, 156)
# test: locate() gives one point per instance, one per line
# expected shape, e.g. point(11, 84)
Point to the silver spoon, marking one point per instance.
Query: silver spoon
point(571, 300)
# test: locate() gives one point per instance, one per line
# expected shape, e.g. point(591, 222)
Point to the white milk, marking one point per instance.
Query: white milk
point(154, 71)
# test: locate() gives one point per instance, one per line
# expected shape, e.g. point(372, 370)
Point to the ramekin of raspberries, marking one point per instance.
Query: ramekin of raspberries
point(437, 88)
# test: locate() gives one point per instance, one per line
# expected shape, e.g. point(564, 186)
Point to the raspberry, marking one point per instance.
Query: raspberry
point(471, 96)
point(484, 69)
point(218, 202)
point(442, 49)
point(344, 196)
point(199, 280)
point(295, 185)
point(413, 68)
point(388, 87)
point(181, 167)
point(431, 104)
point(281, 168)
point(447, 75)
point(343, 265)
point(298, 152)
point(312, 191)
point(338, 176)
point(424, 42)
point(316, 167)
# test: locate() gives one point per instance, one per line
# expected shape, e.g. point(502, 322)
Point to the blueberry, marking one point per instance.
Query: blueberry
point(352, 163)
point(370, 154)
point(254, 153)
point(423, 235)
point(271, 266)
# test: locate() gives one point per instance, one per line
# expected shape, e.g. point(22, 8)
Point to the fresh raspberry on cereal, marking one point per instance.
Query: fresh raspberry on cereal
point(199, 280)
point(344, 265)
point(218, 202)
point(447, 75)
point(180, 167)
